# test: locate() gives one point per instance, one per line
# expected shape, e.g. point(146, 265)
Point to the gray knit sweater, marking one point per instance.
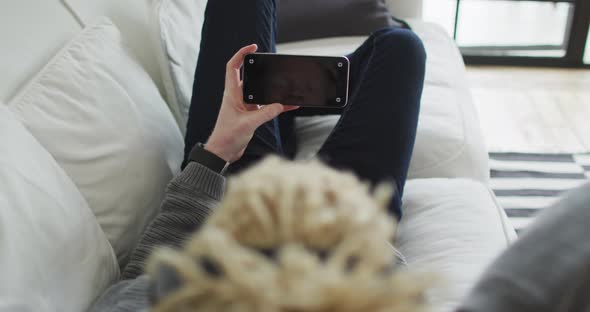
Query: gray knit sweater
point(190, 198)
point(548, 269)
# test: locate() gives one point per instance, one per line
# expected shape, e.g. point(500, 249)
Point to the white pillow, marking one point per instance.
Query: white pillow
point(449, 142)
point(32, 32)
point(53, 254)
point(100, 115)
point(132, 19)
point(177, 34)
point(453, 228)
point(405, 9)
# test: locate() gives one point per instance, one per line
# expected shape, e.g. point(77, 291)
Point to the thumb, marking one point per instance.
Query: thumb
point(265, 114)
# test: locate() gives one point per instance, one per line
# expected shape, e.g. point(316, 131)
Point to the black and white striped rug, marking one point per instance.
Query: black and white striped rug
point(527, 183)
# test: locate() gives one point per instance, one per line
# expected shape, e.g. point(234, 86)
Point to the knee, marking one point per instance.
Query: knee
point(402, 43)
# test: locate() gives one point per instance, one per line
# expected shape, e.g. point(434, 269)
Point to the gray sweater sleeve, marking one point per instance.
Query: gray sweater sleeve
point(189, 199)
point(547, 269)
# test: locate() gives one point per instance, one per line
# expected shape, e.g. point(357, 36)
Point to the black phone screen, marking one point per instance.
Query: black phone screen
point(315, 81)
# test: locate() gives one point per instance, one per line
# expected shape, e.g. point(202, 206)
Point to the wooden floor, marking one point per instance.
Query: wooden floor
point(533, 110)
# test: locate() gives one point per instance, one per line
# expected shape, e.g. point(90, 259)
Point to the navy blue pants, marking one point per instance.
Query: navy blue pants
point(375, 135)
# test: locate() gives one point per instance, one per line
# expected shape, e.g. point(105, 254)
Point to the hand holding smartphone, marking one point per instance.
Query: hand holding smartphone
point(312, 81)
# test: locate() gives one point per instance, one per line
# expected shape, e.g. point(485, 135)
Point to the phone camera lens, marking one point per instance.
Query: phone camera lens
point(340, 64)
point(250, 97)
point(338, 100)
point(251, 61)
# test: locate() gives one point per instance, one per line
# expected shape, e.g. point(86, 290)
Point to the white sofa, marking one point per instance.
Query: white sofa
point(452, 224)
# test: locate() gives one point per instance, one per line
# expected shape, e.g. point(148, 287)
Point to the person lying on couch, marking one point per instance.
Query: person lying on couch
point(374, 138)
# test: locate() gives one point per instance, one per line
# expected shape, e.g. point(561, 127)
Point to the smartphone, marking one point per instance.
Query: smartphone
point(311, 81)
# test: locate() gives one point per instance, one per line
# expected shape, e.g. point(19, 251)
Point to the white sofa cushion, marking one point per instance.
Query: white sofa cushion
point(100, 115)
point(132, 19)
point(453, 228)
point(449, 142)
point(53, 254)
point(32, 32)
point(177, 34)
point(405, 8)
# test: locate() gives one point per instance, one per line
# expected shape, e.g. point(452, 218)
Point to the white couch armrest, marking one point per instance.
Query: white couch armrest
point(453, 228)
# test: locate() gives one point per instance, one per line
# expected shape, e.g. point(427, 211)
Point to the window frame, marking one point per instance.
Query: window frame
point(575, 42)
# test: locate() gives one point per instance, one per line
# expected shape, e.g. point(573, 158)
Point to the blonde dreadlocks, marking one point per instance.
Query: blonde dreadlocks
point(293, 237)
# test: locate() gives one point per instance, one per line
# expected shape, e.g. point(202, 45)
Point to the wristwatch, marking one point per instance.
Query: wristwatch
point(204, 157)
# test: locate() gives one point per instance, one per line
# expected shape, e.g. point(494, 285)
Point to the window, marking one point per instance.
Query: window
point(513, 27)
point(516, 32)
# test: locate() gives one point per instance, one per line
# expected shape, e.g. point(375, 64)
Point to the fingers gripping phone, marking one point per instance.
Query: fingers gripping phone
point(312, 81)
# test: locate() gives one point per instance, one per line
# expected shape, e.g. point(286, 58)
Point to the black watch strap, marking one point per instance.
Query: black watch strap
point(202, 156)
